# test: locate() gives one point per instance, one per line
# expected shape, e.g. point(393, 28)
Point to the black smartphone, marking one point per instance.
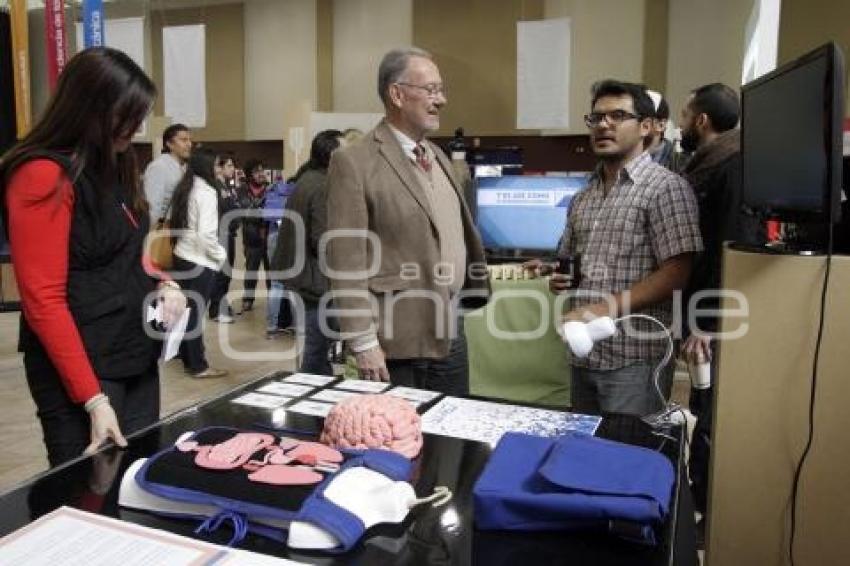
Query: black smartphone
point(571, 267)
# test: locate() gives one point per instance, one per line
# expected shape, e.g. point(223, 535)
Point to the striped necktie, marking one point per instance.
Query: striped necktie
point(422, 158)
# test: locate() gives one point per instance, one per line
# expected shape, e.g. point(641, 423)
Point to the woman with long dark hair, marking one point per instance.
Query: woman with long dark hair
point(198, 254)
point(308, 201)
point(77, 218)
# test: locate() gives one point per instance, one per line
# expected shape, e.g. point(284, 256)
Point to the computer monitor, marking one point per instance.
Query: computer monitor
point(791, 139)
point(495, 162)
point(522, 213)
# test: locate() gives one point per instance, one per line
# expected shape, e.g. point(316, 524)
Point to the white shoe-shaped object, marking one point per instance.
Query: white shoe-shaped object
point(581, 336)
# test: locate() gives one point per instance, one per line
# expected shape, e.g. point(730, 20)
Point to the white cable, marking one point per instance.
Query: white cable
point(667, 356)
point(441, 496)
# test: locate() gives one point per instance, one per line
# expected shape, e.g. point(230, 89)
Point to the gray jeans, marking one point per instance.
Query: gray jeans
point(629, 390)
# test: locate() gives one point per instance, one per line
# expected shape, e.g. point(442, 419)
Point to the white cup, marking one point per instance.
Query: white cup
point(700, 374)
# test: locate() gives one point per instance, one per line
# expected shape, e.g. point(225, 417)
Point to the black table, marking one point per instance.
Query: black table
point(429, 536)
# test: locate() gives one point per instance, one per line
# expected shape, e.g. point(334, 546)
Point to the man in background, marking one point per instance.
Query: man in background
point(659, 147)
point(163, 173)
point(252, 200)
point(709, 119)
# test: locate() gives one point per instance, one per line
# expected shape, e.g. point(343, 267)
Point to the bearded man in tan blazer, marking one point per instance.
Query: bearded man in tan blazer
point(403, 255)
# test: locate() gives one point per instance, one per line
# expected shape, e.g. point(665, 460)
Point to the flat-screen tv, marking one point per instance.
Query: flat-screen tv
point(524, 213)
point(791, 139)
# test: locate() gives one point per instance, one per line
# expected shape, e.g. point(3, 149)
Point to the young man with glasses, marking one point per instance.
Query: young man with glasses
point(397, 292)
point(636, 229)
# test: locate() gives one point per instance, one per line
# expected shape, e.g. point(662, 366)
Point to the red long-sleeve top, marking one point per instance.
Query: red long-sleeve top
point(40, 203)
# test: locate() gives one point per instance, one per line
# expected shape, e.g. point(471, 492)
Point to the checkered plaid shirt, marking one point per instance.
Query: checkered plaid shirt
point(649, 216)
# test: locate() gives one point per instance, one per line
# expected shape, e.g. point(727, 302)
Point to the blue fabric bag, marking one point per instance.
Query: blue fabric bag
point(574, 481)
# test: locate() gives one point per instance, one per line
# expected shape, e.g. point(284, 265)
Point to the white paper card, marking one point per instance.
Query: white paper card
point(311, 408)
point(484, 421)
point(413, 394)
point(261, 400)
point(362, 385)
point(72, 537)
point(174, 336)
point(309, 379)
point(76, 538)
point(285, 389)
point(333, 395)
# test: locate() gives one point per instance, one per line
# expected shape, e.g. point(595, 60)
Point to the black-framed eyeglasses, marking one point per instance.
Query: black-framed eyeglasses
point(433, 90)
point(614, 117)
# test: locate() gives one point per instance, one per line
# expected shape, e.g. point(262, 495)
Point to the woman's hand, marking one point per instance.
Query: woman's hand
point(173, 303)
point(104, 425)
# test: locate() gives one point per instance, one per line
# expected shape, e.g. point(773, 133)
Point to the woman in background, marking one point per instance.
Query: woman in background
point(77, 218)
point(228, 201)
point(198, 255)
point(308, 201)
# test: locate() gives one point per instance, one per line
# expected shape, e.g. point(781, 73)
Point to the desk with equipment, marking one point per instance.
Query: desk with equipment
point(428, 535)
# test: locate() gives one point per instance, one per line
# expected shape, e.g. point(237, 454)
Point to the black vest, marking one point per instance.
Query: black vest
point(107, 284)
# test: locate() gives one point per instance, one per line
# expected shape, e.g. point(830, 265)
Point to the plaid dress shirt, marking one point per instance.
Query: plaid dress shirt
point(648, 216)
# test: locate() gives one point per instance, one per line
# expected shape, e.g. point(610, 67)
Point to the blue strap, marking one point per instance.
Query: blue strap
point(240, 525)
point(341, 523)
point(393, 465)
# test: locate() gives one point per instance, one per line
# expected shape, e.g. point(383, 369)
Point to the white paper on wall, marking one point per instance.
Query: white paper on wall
point(124, 34)
point(543, 74)
point(184, 74)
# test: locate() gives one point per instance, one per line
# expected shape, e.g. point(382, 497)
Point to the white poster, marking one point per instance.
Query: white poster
point(543, 74)
point(124, 34)
point(184, 74)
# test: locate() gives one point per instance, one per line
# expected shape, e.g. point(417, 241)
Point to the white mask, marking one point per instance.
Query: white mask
point(371, 496)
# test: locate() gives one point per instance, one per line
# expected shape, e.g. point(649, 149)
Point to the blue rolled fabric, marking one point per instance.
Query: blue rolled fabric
point(574, 481)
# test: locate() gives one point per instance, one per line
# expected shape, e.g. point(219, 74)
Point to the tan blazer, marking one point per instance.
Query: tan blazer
point(372, 186)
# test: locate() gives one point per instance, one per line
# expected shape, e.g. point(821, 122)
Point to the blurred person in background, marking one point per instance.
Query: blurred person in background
point(220, 309)
point(252, 200)
point(198, 254)
point(308, 201)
